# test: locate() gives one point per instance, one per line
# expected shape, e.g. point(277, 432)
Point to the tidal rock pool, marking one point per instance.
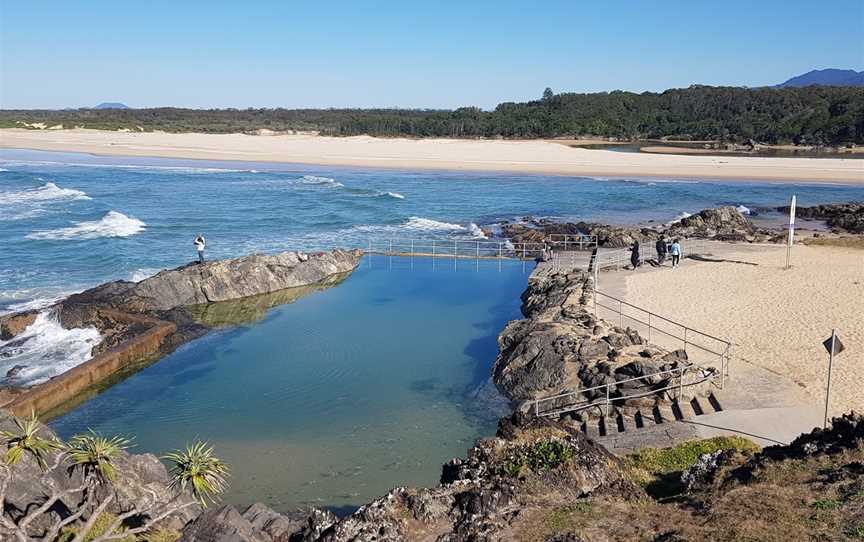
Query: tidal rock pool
point(334, 398)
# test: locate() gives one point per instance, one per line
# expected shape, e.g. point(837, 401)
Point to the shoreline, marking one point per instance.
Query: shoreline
point(514, 157)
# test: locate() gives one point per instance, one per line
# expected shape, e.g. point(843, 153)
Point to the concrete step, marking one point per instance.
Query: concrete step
point(716, 401)
point(667, 413)
point(698, 406)
point(591, 429)
point(644, 419)
point(682, 410)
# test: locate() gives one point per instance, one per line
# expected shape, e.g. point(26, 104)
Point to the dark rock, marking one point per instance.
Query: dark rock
point(723, 222)
point(593, 349)
point(702, 473)
point(222, 524)
point(848, 217)
point(15, 371)
point(273, 526)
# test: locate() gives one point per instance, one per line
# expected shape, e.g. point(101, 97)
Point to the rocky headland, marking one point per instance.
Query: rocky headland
point(140, 321)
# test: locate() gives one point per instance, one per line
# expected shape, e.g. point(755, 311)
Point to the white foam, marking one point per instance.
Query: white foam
point(396, 195)
point(743, 210)
point(45, 193)
point(314, 179)
point(419, 223)
point(34, 304)
point(45, 350)
point(179, 169)
point(679, 217)
point(113, 224)
point(142, 273)
point(3, 169)
point(476, 232)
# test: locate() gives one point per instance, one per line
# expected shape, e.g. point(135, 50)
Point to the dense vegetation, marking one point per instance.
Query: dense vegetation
point(810, 115)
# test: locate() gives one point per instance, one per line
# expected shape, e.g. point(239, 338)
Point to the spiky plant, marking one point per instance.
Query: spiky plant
point(26, 439)
point(95, 454)
point(199, 470)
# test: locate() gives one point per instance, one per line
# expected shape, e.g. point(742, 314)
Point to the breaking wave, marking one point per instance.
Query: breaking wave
point(679, 217)
point(113, 224)
point(45, 350)
point(743, 210)
point(45, 193)
point(475, 231)
point(324, 181)
point(395, 195)
point(419, 223)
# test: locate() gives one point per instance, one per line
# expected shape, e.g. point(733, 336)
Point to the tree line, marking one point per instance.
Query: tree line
point(816, 115)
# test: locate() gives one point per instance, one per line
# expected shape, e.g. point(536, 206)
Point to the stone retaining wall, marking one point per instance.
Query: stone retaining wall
point(44, 397)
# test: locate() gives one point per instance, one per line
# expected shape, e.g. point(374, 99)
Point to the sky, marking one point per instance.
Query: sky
point(441, 54)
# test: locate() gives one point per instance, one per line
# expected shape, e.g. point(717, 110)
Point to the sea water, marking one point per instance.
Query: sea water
point(334, 398)
point(337, 397)
point(72, 221)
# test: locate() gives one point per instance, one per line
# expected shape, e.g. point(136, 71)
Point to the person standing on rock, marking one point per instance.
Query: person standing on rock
point(200, 243)
point(661, 250)
point(634, 254)
point(676, 253)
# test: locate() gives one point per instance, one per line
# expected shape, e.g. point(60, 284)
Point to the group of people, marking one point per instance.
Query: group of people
point(663, 248)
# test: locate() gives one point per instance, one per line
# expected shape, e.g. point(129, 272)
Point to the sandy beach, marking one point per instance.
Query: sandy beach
point(449, 154)
point(775, 318)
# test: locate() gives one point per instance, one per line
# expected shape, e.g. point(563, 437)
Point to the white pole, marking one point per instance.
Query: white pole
point(830, 364)
point(791, 231)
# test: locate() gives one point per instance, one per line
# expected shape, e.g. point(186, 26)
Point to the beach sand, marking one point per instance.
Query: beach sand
point(535, 156)
point(776, 318)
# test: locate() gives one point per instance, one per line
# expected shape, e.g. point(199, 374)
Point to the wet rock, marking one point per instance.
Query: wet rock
point(15, 371)
point(13, 324)
point(844, 217)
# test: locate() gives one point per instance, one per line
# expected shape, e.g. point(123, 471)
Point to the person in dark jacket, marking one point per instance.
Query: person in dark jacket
point(661, 250)
point(634, 254)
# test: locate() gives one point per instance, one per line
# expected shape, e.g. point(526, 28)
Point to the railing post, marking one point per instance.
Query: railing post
point(685, 339)
point(606, 406)
point(412, 247)
point(620, 313)
point(649, 327)
point(523, 250)
point(433, 248)
point(455, 249)
point(391, 247)
point(499, 251)
point(478, 250)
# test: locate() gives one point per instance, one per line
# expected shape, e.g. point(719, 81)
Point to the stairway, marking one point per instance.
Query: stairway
point(687, 409)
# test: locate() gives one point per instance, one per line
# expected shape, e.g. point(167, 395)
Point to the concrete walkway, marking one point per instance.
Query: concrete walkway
point(758, 403)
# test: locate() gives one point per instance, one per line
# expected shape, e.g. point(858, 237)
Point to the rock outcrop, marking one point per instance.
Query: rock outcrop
point(841, 217)
point(722, 223)
point(560, 346)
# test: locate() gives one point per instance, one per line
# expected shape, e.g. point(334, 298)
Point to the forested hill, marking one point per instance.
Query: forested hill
point(810, 115)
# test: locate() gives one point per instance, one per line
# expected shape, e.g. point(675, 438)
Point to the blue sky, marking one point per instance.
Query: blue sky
point(405, 54)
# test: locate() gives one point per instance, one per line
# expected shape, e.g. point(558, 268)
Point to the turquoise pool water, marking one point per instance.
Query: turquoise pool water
point(339, 396)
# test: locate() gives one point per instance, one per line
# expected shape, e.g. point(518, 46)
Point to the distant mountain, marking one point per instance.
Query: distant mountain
point(111, 105)
point(829, 77)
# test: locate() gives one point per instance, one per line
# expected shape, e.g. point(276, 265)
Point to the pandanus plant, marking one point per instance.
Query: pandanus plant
point(195, 471)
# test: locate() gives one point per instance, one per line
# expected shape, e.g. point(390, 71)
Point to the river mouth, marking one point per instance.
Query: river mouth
point(332, 399)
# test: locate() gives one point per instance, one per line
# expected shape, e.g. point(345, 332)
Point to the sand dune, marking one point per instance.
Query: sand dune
point(776, 318)
point(471, 155)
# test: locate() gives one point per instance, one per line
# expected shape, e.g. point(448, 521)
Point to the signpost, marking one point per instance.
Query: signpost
point(791, 230)
point(833, 346)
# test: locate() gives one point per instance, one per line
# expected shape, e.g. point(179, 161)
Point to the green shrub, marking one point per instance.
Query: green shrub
point(540, 456)
point(103, 522)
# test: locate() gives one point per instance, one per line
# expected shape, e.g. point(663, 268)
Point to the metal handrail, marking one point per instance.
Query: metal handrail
point(454, 248)
point(572, 240)
point(608, 400)
point(689, 334)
